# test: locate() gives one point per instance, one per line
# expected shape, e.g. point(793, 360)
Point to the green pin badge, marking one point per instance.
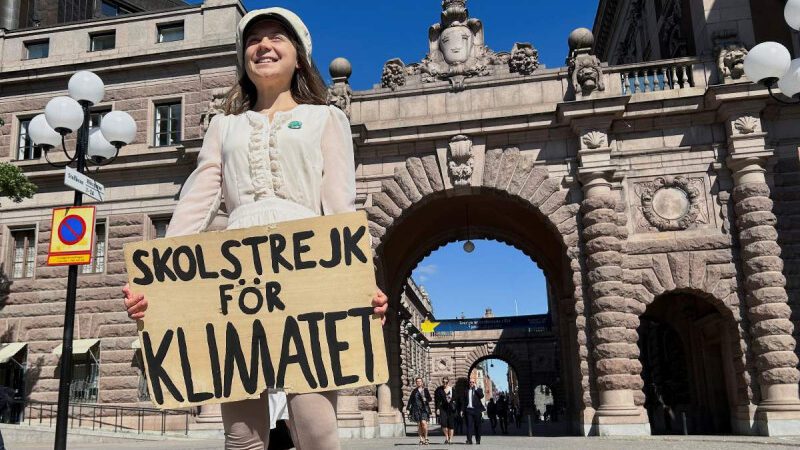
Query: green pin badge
point(295, 124)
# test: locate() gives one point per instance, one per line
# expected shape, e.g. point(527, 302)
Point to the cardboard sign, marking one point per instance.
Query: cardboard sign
point(71, 236)
point(232, 313)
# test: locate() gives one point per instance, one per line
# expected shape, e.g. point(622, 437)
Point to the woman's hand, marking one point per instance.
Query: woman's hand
point(134, 303)
point(381, 303)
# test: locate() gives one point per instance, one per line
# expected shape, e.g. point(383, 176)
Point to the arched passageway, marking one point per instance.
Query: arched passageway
point(687, 365)
point(484, 213)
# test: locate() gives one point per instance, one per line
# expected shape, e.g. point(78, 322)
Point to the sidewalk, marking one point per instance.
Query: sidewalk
point(32, 438)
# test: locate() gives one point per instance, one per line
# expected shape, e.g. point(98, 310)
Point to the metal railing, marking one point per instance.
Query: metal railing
point(656, 76)
point(99, 416)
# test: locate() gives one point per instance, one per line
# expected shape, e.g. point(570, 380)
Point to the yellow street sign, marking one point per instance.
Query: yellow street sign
point(71, 236)
point(428, 326)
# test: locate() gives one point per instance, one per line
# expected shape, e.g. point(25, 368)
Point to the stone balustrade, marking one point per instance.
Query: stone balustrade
point(656, 76)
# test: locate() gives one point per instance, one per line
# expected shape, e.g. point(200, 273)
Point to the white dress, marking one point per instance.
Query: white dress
point(296, 166)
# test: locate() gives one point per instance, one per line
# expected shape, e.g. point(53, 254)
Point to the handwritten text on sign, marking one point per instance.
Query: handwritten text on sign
point(231, 313)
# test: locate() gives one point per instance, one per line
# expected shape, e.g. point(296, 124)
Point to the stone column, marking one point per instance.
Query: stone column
point(390, 420)
point(772, 343)
point(351, 421)
point(614, 315)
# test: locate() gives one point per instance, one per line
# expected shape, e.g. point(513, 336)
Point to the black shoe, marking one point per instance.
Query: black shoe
point(469, 442)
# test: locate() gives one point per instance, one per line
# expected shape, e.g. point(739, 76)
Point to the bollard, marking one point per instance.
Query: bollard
point(530, 426)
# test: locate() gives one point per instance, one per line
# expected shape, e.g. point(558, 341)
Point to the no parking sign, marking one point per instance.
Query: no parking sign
point(71, 236)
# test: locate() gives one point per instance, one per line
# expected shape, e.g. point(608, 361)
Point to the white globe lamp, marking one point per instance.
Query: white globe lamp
point(118, 128)
point(64, 114)
point(86, 86)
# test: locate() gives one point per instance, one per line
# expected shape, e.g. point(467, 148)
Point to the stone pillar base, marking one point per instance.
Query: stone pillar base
point(391, 425)
point(351, 425)
point(635, 423)
point(743, 421)
point(778, 423)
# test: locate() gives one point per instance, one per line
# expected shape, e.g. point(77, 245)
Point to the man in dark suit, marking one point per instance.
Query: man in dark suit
point(473, 412)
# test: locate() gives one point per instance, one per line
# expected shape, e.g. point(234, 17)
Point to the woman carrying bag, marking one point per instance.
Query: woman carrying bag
point(446, 408)
point(278, 153)
point(419, 408)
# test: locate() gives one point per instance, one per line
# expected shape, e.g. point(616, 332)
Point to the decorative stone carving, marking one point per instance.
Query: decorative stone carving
point(594, 139)
point(214, 108)
point(730, 60)
point(584, 67)
point(457, 51)
point(394, 74)
point(723, 199)
point(586, 74)
point(524, 59)
point(460, 160)
point(456, 48)
point(746, 124)
point(671, 203)
point(340, 93)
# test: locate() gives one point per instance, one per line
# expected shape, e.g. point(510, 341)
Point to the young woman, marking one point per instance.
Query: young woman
point(446, 408)
point(278, 153)
point(420, 409)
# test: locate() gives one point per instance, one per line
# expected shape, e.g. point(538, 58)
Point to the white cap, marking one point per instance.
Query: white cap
point(284, 16)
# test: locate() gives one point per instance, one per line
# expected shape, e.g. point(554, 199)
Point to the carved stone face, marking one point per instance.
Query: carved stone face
point(588, 78)
point(734, 61)
point(455, 44)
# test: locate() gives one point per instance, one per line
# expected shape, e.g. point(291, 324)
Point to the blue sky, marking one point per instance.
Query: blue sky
point(369, 32)
point(494, 275)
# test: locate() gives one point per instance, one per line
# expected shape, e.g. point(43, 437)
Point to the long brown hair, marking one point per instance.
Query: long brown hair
point(307, 85)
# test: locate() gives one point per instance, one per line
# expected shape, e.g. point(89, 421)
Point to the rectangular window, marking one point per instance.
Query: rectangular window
point(96, 116)
point(111, 9)
point(23, 253)
point(85, 370)
point(168, 124)
point(37, 49)
point(72, 10)
point(102, 41)
point(170, 32)
point(25, 147)
point(98, 263)
point(159, 228)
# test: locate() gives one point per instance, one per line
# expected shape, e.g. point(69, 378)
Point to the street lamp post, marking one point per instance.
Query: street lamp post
point(771, 64)
point(62, 116)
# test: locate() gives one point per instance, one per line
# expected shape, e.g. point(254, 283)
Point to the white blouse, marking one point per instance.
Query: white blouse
point(298, 165)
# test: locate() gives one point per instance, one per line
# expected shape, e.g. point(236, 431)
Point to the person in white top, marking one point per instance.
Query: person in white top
point(278, 153)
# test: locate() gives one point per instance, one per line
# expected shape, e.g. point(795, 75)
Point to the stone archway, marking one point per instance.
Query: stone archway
point(429, 202)
point(687, 347)
point(710, 276)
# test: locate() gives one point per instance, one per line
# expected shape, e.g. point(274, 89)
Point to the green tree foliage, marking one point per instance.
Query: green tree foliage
point(14, 184)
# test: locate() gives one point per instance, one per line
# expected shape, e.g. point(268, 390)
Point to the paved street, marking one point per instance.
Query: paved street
point(489, 442)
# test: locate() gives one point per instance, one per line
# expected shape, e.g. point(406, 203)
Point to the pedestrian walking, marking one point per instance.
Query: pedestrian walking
point(419, 408)
point(502, 413)
point(473, 412)
point(491, 411)
point(445, 403)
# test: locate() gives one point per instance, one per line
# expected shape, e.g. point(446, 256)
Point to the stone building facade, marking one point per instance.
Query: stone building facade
point(658, 191)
